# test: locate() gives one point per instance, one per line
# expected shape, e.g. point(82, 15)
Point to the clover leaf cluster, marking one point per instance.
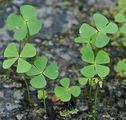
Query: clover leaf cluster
point(97, 36)
point(25, 24)
point(96, 63)
point(65, 91)
point(120, 68)
point(120, 18)
point(84, 81)
point(12, 55)
point(42, 94)
point(40, 70)
point(93, 38)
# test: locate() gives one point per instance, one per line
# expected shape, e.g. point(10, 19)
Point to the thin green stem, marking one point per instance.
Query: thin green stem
point(96, 99)
point(28, 91)
point(44, 99)
point(28, 36)
point(20, 46)
point(90, 93)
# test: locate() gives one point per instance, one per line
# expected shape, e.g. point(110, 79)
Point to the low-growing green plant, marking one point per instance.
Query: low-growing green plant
point(120, 6)
point(42, 94)
point(96, 63)
point(66, 113)
point(25, 25)
point(120, 68)
point(92, 39)
point(39, 71)
point(97, 36)
point(119, 16)
point(12, 55)
point(65, 91)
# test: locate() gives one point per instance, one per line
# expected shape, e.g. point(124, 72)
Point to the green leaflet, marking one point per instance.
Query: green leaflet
point(11, 54)
point(38, 82)
point(14, 21)
point(88, 54)
point(120, 17)
point(86, 31)
point(102, 57)
point(65, 91)
point(28, 11)
point(24, 24)
point(100, 21)
point(123, 28)
point(83, 81)
point(11, 51)
point(65, 82)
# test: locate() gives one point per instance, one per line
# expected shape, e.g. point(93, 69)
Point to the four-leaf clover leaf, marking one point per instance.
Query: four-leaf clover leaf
point(120, 68)
point(65, 91)
point(97, 62)
point(12, 55)
point(24, 24)
point(99, 34)
point(120, 18)
point(39, 70)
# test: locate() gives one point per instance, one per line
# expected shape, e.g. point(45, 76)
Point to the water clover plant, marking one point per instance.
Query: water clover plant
point(65, 91)
point(25, 24)
point(42, 94)
point(92, 39)
point(120, 18)
point(40, 70)
point(97, 36)
point(120, 68)
point(12, 55)
point(84, 81)
point(96, 63)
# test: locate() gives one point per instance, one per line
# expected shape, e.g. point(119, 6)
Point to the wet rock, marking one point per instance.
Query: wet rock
point(82, 106)
point(1, 94)
point(102, 3)
point(1, 20)
point(91, 2)
point(106, 117)
point(15, 85)
point(123, 116)
point(2, 111)
point(113, 111)
point(65, 56)
point(118, 93)
point(120, 104)
point(40, 112)
point(10, 106)
point(6, 86)
point(19, 116)
point(18, 2)
point(18, 94)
